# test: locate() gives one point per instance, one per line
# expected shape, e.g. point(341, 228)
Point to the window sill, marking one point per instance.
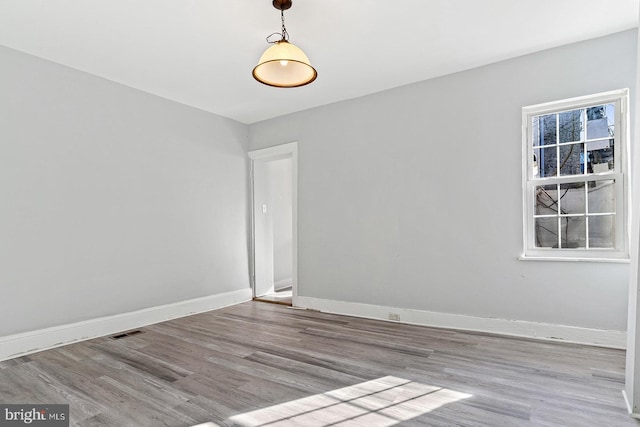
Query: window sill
point(573, 259)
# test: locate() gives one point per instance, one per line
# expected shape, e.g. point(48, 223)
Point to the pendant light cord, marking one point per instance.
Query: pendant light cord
point(284, 35)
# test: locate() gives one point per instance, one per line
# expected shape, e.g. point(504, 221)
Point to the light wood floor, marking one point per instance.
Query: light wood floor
point(267, 364)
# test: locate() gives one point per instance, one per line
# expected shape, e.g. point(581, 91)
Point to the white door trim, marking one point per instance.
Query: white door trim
point(274, 153)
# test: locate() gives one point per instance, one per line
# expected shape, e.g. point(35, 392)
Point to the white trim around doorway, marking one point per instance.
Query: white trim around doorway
point(274, 153)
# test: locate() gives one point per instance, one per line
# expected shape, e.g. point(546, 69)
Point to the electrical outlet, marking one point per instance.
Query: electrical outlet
point(394, 316)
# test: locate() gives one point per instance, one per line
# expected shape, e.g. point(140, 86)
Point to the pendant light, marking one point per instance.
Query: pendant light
point(284, 64)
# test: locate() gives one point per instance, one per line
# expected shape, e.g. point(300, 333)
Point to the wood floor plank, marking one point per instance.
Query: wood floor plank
point(265, 364)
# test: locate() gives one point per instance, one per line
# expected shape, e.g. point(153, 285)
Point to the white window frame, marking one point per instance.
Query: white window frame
point(620, 99)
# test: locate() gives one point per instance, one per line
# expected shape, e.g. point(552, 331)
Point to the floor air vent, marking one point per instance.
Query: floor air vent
point(125, 334)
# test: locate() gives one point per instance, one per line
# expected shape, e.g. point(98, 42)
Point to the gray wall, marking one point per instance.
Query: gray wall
point(412, 197)
point(112, 200)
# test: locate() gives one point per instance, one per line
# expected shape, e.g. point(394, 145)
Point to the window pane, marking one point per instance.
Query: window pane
point(572, 198)
point(547, 162)
point(535, 131)
point(547, 129)
point(602, 231)
point(600, 121)
point(573, 232)
point(602, 196)
point(546, 232)
point(600, 155)
point(571, 159)
point(546, 200)
point(570, 125)
point(610, 110)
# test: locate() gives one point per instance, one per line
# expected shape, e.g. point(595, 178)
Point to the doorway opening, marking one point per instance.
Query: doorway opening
point(274, 223)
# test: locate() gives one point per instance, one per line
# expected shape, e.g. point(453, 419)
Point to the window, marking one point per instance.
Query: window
point(575, 165)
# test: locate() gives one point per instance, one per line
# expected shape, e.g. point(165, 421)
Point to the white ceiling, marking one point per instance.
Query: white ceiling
point(201, 52)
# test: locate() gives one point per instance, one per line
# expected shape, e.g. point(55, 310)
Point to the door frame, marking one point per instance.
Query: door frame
point(275, 153)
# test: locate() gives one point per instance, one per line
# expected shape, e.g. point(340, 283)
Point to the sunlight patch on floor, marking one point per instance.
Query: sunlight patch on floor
point(382, 402)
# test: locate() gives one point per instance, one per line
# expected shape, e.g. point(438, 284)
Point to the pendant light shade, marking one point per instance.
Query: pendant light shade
point(284, 65)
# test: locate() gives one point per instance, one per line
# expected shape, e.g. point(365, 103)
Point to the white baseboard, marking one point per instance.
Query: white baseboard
point(33, 341)
point(629, 408)
point(517, 328)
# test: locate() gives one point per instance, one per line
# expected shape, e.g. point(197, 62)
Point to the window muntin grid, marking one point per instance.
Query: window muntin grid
point(574, 167)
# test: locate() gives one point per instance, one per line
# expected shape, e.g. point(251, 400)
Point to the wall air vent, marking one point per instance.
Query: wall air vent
point(125, 334)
